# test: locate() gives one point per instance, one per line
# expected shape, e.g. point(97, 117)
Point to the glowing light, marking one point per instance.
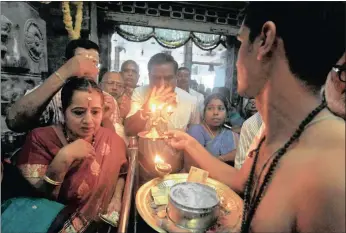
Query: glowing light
point(153, 108)
point(158, 160)
point(169, 109)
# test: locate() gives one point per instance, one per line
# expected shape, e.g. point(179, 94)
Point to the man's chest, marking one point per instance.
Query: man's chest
point(278, 208)
point(276, 211)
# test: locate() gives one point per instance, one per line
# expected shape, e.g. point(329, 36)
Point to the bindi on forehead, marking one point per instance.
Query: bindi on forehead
point(86, 99)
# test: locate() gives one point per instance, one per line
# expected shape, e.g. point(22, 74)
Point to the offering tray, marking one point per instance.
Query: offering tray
point(231, 205)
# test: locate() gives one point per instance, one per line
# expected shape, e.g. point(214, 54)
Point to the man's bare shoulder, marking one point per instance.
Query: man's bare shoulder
point(326, 136)
point(322, 164)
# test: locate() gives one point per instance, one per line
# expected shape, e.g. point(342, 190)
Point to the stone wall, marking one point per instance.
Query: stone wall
point(23, 60)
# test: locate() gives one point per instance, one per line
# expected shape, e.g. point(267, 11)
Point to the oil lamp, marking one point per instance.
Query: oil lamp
point(159, 113)
point(161, 167)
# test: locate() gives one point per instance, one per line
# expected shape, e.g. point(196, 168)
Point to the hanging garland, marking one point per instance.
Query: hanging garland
point(73, 33)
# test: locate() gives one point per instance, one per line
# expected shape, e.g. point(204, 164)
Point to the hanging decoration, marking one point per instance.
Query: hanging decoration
point(73, 33)
point(170, 39)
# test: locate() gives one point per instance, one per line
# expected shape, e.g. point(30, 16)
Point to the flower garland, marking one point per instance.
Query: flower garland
point(73, 33)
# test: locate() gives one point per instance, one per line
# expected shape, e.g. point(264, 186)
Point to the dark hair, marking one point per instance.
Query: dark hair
point(216, 96)
point(162, 58)
point(313, 34)
point(80, 43)
point(184, 68)
point(125, 63)
point(111, 72)
point(77, 84)
point(102, 72)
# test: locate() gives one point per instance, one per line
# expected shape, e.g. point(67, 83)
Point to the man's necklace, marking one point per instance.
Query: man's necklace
point(251, 204)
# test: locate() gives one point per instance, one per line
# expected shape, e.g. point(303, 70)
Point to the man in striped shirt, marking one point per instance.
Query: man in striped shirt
point(249, 131)
point(42, 105)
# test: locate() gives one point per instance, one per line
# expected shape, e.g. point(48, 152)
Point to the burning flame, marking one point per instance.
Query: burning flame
point(153, 107)
point(169, 108)
point(158, 160)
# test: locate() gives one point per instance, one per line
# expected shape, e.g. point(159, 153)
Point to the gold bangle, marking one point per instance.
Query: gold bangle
point(49, 180)
point(59, 76)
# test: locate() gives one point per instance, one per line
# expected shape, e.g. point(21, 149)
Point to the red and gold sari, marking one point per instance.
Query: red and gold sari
point(90, 185)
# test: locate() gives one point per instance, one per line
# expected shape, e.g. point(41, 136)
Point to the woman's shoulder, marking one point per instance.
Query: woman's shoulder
point(228, 131)
point(44, 136)
point(195, 128)
point(43, 132)
point(110, 133)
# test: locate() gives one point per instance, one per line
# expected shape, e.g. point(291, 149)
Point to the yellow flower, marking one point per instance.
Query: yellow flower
point(73, 33)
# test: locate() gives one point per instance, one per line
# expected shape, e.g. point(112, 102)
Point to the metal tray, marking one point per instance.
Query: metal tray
point(231, 204)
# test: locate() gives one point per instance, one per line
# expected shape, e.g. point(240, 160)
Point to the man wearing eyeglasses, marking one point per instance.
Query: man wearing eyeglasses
point(113, 83)
point(335, 89)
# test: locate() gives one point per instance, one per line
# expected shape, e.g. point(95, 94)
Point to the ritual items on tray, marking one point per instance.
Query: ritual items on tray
point(162, 167)
point(203, 205)
point(197, 175)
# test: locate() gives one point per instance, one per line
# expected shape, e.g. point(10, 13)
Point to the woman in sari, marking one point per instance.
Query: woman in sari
point(212, 134)
point(78, 163)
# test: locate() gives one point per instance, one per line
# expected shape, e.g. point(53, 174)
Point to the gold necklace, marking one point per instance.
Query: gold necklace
point(212, 135)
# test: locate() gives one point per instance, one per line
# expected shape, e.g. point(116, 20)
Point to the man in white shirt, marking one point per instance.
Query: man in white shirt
point(248, 133)
point(184, 80)
point(162, 89)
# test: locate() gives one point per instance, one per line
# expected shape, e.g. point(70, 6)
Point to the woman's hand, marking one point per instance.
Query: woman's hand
point(179, 139)
point(77, 150)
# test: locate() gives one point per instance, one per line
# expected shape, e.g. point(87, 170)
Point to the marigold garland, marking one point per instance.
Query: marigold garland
point(73, 33)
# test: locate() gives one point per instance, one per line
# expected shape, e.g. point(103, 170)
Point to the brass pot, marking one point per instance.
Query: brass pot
point(190, 217)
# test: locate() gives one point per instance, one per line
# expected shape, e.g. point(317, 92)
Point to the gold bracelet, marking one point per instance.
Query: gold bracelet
point(49, 180)
point(59, 76)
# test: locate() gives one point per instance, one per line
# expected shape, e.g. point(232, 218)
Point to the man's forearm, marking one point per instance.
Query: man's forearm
point(216, 168)
point(30, 107)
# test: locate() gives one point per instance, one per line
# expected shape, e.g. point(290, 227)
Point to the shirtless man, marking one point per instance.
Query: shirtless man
point(278, 66)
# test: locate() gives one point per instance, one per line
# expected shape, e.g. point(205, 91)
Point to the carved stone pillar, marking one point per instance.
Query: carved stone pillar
point(188, 54)
point(23, 61)
point(105, 49)
point(117, 50)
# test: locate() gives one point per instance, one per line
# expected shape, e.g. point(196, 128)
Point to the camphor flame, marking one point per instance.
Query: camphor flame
point(153, 108)
point(169, 109)
point(158, 160)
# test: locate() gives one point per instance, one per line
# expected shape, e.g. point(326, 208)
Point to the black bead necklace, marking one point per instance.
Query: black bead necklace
point(250, 206)
point(69, 140)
